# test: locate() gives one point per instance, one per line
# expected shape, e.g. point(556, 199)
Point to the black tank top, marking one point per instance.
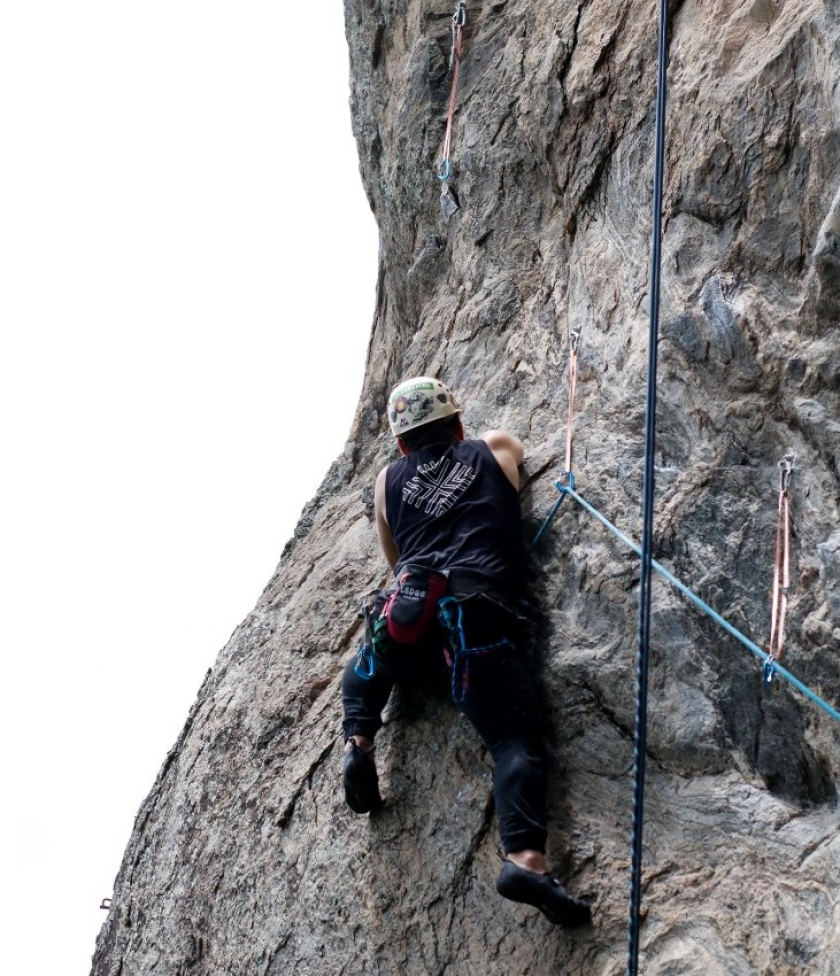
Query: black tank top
point(451, 507)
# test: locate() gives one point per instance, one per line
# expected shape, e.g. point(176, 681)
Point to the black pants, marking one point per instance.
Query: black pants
point(499, 702)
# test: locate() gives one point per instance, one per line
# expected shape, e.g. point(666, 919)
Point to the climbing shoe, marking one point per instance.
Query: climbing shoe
point(361, 783)
point(541, 890)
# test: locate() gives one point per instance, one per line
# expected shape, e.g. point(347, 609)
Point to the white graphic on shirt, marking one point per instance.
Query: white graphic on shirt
point(437, 488)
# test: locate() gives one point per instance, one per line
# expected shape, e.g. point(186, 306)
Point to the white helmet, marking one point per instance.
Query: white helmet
point(419, 401)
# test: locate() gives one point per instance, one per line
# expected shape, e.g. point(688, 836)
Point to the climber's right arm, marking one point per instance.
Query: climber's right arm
point(508, 450)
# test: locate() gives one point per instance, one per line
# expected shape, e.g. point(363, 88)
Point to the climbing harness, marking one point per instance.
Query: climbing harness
point(781, 572)
point(451, 614)
point(448, 200)
point(402, 615)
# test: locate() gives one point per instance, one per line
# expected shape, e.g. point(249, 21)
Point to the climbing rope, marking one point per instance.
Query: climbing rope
point(459, 19)
point(781, 571)
point(645, 579)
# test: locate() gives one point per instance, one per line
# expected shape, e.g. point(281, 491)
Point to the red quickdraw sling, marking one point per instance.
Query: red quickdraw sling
point(781, 571)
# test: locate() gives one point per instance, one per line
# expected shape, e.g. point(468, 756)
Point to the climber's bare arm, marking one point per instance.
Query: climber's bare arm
point(386, 540)
point(508, 451)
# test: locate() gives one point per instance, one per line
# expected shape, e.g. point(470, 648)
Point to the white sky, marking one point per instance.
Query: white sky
point(186, 292)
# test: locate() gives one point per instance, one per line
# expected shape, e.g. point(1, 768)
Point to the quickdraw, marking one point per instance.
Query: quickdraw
point(366, 659)
point(459, 19)
point(574, 340)
point(781, 571)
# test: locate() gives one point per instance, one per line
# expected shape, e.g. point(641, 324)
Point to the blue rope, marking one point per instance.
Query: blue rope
point(551, 514)
point(766, 659)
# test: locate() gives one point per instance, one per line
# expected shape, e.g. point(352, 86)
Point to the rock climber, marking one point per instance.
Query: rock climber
point(448, 518)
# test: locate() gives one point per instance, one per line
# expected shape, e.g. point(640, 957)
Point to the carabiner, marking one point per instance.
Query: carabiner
point(785, 471)
point(365, 666)
point(558, 484)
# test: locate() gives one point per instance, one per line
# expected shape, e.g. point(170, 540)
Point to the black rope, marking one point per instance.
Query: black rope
point(640, 738)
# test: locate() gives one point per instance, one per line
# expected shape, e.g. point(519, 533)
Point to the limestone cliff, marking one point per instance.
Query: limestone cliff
point(244, 859)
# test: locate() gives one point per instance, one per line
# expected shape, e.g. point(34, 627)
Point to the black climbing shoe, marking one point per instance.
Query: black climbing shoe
point(541, 890)
point(361, 783)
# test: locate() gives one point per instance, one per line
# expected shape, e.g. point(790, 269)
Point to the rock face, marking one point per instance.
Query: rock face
point(244, 859)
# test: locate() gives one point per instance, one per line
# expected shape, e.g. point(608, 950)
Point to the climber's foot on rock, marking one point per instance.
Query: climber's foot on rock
point(542, 891)
point(361, 782)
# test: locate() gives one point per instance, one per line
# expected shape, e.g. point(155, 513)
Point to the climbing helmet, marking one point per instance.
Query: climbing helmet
point(419, 401)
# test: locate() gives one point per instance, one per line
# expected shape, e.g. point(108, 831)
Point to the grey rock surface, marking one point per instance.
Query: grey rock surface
point(244, 860)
